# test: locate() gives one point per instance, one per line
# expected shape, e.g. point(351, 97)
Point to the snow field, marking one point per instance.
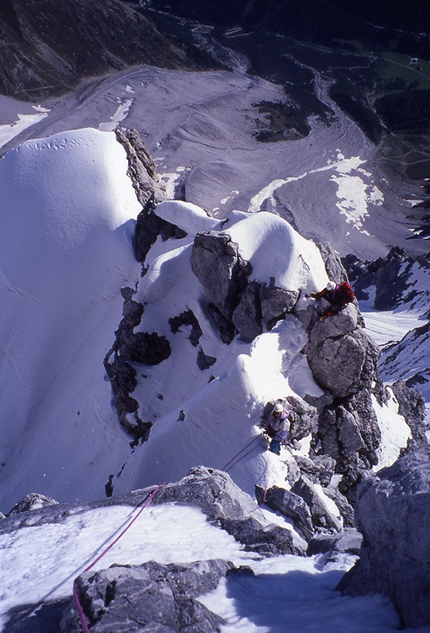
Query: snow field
point(287, 594)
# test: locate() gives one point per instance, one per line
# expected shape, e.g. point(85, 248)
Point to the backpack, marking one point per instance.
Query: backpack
point(344, 293)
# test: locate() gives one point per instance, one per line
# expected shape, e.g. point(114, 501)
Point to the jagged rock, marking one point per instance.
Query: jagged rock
point(345, 508)
point(333, 264)
point(387, 275)
point(150, 597)
point(275, 303)
point(188, 319)
point(141, 347)
point(147, 348)
point(32, 501)
point(142, 170)
point(216, 262)
point(224, 326)
point(204, 361)
point(341, 356)
point(393, 513)
point(322, 515)
point(228, 506)
point(247, 316)
point(149, 226)
point(346, 542)
point(412, 407)
point(305, 417)
point(290, 505)
point(349, 432)
point(319, 469)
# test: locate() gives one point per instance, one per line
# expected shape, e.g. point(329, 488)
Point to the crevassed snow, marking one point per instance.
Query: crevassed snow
point(66, 224)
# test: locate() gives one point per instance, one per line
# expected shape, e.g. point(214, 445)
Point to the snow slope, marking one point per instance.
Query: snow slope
point(287, 594)
point(211, 416)
point(66, 210)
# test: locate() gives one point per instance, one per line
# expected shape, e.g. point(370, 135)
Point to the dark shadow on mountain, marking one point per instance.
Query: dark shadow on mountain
point(32, 618)
point(302, 601)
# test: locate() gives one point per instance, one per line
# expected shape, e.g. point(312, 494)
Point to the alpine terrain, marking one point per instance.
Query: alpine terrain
point(214, 334)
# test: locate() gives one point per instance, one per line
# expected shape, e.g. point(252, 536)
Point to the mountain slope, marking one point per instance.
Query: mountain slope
point(47, 46)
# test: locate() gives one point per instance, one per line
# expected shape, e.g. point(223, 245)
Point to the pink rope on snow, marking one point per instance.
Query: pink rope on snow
point(127, 527)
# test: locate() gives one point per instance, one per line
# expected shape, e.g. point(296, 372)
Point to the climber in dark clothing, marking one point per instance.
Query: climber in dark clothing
point(337, 295)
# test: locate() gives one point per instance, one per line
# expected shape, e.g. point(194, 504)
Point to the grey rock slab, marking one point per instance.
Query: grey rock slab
point(393, 513)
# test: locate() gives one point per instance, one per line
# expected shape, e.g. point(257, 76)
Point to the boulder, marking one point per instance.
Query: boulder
point(341, 356)
point(216, 262)
point(322, 515)
point(275, 303)
point(393, 513)
point(290, 505)
point(319, 469)
point(348, 541)
point(149, 597)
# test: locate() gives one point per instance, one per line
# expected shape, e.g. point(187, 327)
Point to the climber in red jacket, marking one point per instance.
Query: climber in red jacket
point(338, 296)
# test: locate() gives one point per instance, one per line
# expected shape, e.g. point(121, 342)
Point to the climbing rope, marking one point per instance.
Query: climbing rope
point(127, 527)
point(230, 465)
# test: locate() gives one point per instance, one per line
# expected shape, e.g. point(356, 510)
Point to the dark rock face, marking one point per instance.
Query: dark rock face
point(216, 262)
point(393, 513)
point(275, 303)
point(187, 319)
point(41, 56)
point(247, 315)
point(148, 348)
point(150, 597)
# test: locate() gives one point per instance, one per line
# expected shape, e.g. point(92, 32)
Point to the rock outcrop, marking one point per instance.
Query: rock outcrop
point(393, 513)
point(236, 303)
point(157, 596)
point(342, 358)
point(152, 597)
point(148, 348)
